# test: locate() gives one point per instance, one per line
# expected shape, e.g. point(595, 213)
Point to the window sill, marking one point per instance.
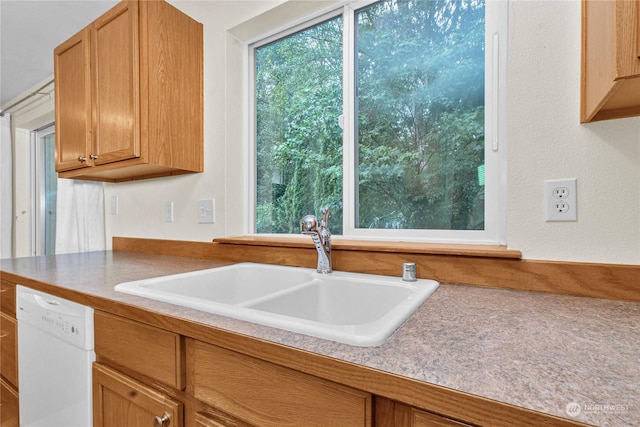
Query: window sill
point(479, 265)
point(339, 243)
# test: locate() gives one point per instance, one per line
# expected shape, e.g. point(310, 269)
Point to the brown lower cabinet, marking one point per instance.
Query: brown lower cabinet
point(121, 401)
point(9, 413)
point(190, 383)
point(135, 387)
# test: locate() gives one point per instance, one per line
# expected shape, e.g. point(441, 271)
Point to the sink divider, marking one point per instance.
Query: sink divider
point(275, 294)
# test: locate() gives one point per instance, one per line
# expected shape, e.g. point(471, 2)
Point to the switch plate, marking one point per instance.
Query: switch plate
point(561, 200)
point(207, 211)
point(168, 211)
point(114, 205)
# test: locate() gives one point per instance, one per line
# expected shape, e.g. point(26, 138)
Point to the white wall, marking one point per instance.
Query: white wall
point(545, 142)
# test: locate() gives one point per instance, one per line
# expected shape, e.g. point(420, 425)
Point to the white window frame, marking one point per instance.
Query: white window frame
point(496, 36)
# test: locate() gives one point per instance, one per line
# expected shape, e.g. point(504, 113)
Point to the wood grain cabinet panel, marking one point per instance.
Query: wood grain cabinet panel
point(151, 351)
point(116, 85)
point(8, 298)
point(129, 95)
point(9, 414)
point(426, 419)
point(9, 405)
point(203, 419)
point(610, 72)
point(390, 413)
point(9, 349)
point(73, 102)
point(120, 401)
point(265, 394)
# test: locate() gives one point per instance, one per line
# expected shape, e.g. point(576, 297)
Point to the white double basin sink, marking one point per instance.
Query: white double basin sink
point(352, 308)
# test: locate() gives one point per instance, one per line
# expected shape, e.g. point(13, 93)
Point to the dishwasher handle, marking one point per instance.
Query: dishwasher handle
point(64, 319)
point(27, 299)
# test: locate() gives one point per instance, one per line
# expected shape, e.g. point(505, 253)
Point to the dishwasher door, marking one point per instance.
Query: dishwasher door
point(55, 354)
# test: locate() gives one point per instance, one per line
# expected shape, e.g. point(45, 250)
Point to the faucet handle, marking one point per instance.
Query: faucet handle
point(309, 224)
point(324, 223)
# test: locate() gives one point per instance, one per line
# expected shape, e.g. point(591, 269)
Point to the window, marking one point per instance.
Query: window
point(298, 93)
point(388, 112)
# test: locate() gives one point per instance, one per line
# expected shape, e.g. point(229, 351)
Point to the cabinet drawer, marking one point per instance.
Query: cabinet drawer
point(265, 394)
point(151, 351)
point(8, 348)
point(9, 415)
point(8, 298)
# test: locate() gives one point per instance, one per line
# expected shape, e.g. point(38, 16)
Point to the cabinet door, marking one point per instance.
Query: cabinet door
point(9, 412)
point(638, 31)
point(627, 41)
point(119, 401)
point(73, 102)
point(9, 349)
point(116, 91)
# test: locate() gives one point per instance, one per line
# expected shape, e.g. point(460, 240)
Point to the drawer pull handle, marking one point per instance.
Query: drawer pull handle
point(163, 421)
point(93, 156)
point(82, 159)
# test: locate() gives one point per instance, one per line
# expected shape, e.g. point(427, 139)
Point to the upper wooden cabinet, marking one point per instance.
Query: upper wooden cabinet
point(129, 101)
point(610, 86)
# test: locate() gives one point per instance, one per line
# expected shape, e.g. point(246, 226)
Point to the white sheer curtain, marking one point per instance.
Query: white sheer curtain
point(80, 216)
point(6, 188)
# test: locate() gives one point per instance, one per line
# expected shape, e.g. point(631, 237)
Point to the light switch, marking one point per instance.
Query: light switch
point(114, 205)
point(168, 212)
point(206, 211)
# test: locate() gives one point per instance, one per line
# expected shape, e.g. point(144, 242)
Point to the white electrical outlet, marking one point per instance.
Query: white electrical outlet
point(207, 211)
point(168, 212)
point(561, 200)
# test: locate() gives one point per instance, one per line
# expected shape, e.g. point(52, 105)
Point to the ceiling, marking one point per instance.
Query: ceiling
point(29, 31)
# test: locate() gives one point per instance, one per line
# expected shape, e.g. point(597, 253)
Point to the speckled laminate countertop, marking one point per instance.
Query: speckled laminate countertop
point(576, 358)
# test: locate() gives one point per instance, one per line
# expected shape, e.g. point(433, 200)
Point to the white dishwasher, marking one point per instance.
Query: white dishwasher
point(55, 354)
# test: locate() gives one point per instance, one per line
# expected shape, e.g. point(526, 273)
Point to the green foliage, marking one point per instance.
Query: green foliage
point(420, 119)
point(299, 142)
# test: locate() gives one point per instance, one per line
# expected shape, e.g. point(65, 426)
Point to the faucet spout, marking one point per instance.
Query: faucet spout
point(321, 238)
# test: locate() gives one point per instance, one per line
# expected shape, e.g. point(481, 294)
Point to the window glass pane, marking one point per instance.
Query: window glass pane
point(420, 115)
point(50, 194)
point(298, 90)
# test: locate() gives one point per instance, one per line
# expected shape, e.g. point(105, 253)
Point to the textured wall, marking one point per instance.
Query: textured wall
point(546, 141)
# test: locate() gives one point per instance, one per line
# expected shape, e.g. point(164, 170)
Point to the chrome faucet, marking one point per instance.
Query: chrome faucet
point(321, 238)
